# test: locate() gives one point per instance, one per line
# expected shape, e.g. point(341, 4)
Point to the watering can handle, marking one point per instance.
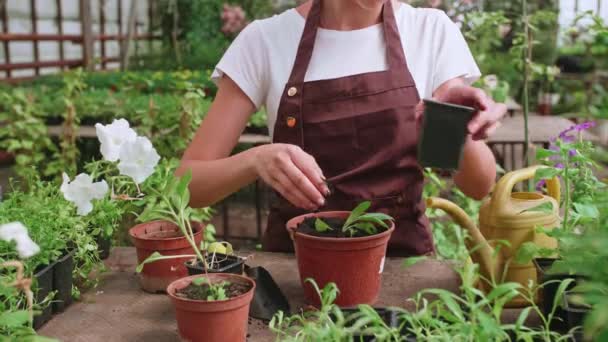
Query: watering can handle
point(502, 191)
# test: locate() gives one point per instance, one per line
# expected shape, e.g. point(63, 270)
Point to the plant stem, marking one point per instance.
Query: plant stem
point(566, 194)
point(527, 56)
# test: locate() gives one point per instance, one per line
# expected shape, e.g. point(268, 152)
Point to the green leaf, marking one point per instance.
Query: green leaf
point(321, 226)
point(546, 173)
point(526, 252)
point(14, 319)
point(199, 281)
point(411, 261)
point(358, 211)
point(587, 211)
point(156, 256)
point(542, 153)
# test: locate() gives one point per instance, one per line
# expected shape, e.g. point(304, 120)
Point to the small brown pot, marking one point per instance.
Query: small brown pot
point(217, 321)
point(354, 264)
point(166, 238)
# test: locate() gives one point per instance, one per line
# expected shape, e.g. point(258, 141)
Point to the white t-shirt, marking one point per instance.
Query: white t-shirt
point(260, 59)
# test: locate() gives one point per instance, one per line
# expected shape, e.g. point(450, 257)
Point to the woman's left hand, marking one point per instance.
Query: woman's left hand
point(488, 115)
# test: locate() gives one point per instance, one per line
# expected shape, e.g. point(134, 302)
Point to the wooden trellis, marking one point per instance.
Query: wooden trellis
point(86, 38)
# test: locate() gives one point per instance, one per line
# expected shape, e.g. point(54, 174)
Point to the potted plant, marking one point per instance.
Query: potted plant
point(548, 97)
point(570, 158)
point(346, 248)
point(209, 306)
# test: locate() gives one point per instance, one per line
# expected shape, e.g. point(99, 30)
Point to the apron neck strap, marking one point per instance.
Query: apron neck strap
point(394, 50)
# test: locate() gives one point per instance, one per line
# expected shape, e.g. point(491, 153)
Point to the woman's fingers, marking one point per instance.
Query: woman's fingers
point(309, 167)
point(302, 185)
point(283, 184)
point(484, 123)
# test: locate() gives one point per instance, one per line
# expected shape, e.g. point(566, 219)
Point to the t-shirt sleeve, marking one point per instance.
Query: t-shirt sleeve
point(246, 63)
point(453, 58)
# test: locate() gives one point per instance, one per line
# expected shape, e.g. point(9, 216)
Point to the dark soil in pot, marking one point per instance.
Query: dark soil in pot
point(104, 246)
point(308, 227)
point(43, 278)
point(62, 281)
point(548, 292)
point(199, 292)
point(218, 263)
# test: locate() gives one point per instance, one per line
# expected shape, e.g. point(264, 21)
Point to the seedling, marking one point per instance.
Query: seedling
point(359, 221)
point(214, 291)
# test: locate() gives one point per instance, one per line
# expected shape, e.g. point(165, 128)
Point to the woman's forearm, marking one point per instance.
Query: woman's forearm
point(213, 180)
point(477, 172)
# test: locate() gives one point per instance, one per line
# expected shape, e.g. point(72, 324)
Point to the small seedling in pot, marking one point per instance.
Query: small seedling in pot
point(213, 291)
point(359, 222)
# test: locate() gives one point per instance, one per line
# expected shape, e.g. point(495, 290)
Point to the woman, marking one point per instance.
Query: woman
point(341, 81)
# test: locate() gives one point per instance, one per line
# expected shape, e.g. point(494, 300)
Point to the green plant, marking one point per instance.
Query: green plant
point(67, 157)
point(173, 206)
point(24, 134)
point(214, 291)
point(359, 222)
point(449, 237)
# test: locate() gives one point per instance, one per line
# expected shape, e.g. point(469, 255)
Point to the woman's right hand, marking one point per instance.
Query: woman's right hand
point(293, 173)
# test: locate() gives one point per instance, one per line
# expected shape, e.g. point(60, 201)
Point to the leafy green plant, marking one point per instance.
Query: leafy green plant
point(359, 222)
point(24, 134)
point(214, 291)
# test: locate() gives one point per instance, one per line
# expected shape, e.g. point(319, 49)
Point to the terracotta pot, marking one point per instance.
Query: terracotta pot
point(217, 321)
point(354, 264)
point(166, 238)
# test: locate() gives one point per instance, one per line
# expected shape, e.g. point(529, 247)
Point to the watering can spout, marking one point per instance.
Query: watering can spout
point(481, 251)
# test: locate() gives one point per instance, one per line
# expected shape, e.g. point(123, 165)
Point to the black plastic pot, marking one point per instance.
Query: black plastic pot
point(43, 279)
point(443, 135)
point(104, 245)
point(548, 292)
point(575, 314)
point(221, 263)
point(390, 317)
point(62, 281)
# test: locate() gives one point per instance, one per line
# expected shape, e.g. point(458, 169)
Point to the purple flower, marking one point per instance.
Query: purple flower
point(565, 137)
point(572, 152)
point(540, 185)
point(559, 166)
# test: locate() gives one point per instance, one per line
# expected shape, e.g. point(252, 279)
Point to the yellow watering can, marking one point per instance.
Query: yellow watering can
point(508, 216)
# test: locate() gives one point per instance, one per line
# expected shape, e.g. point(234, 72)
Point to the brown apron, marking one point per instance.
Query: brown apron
point(361, 129)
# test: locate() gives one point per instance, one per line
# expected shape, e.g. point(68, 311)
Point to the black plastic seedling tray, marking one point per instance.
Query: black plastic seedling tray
point(222, 263)
point(443, 135)
point(63, 280)
point(390, 317)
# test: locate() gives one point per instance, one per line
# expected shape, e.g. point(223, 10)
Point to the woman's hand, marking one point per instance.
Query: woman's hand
point(293, 173)
point(488, 115)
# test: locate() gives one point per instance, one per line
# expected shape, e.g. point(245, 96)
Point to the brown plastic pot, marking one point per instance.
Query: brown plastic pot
point(166, 238)
point(217, 321)
point(354, 264)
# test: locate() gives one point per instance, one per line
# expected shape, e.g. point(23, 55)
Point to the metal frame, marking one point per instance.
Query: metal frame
point(86, 38)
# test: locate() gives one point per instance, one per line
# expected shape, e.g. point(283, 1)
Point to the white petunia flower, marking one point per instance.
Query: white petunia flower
point(113, 136)
point(81, 191)
point(138, 159)
point(16, 231)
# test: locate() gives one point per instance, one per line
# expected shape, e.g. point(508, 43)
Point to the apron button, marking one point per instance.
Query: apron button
point(291, 121)
point(292, 91)
point(400, 200)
